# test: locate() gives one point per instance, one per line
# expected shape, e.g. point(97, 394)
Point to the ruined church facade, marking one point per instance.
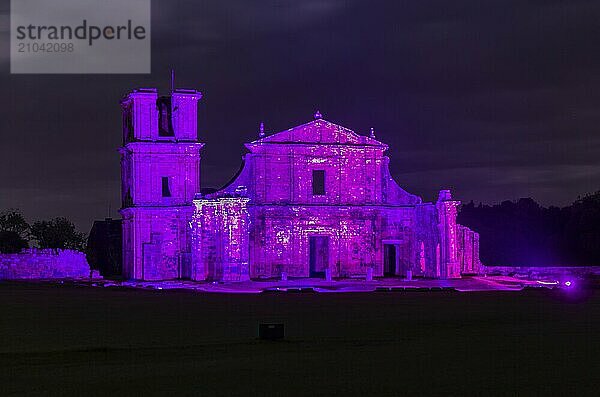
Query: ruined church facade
point(316, 200)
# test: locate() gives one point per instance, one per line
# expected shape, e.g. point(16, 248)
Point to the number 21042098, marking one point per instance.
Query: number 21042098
point(46, 47)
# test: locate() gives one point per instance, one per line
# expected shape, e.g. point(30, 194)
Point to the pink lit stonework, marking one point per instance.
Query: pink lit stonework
point(315, 200)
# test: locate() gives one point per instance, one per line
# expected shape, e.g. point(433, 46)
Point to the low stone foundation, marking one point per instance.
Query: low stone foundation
point(44, 263)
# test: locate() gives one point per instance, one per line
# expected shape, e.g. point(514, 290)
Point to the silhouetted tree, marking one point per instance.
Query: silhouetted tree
point(14, 232)
point(582, 229)
point(523, 233)
point(58, 233)
point(11, 242)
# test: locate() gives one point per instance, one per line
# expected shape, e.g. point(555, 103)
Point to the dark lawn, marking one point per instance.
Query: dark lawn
point(91, 341)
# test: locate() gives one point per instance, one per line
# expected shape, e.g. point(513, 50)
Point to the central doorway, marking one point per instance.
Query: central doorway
point(389, 260)
point(318, 255)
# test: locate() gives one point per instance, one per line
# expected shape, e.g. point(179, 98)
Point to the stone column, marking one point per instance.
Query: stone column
point(447, 211)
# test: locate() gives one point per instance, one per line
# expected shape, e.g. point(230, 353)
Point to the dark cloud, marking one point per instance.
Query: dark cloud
point(496, 100)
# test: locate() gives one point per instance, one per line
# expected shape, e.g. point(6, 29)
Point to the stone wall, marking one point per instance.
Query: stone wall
point(42, 264)
point(220, 239)
point(280, 239)
point(156, 242)
point(468, 250)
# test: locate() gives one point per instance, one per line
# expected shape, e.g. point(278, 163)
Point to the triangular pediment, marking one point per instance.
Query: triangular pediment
point(320, 131)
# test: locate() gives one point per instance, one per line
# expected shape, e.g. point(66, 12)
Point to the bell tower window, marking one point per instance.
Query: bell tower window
point(165, 117)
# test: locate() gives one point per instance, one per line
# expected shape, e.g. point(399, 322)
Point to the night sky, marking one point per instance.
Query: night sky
point(494, 99)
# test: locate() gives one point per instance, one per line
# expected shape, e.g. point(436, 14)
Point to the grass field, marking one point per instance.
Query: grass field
point(68, 340)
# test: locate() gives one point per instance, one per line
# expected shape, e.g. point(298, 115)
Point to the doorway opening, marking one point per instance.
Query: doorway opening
point(318, 255)
point(389, 260)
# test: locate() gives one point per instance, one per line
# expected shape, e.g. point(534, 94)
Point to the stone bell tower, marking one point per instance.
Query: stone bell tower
point(160, 174)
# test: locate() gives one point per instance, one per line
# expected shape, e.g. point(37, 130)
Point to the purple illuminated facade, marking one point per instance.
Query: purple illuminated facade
point(316, 200)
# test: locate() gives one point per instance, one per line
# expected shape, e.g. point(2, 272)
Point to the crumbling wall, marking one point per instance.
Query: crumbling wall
point(468, 250)
point(427, 241)
point(220, 239)
point(43, 264)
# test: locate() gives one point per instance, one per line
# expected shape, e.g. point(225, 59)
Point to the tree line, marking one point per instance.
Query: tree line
point(17, 234)
point(524, 233)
